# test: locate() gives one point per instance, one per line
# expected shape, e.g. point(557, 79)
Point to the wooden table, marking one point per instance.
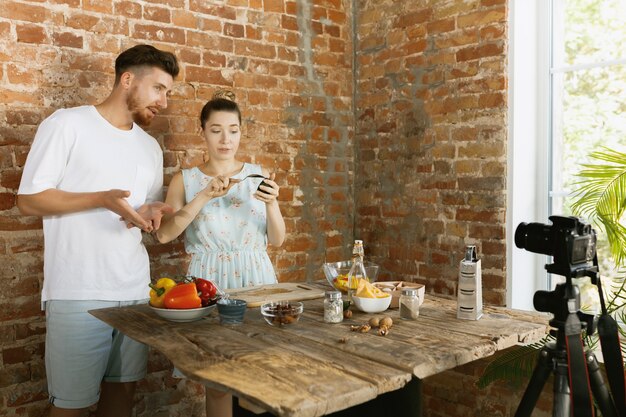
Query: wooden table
point(313, 368)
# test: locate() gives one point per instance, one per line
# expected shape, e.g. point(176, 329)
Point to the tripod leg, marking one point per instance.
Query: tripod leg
point(562, 402)
point(600, 392)
point(535, 385)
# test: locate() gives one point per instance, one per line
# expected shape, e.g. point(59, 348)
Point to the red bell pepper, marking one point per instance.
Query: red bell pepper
point(183, 296)
point(206, 289)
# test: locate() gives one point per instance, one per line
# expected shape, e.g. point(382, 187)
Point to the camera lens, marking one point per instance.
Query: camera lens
point(534, 237)
point(520, 235)
point(544, 301)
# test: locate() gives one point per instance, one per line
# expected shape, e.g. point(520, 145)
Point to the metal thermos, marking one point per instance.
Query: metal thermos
point(470, 295)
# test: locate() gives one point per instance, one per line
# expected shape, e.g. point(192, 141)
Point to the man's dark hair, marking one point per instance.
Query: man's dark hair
point(145, 56)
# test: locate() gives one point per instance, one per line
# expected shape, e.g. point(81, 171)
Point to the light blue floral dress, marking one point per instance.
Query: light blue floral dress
point(228, 238)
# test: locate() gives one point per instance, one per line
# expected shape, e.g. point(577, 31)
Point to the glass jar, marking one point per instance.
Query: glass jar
point(409, 304)
point(357, 270)
point(333, 307)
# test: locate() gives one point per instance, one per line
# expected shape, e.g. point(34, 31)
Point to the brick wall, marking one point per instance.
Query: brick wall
point(428, 118)
point(290, 64)
point(431, 124)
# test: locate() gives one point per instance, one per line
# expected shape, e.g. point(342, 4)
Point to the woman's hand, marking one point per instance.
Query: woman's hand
point(268, 190)
point(218, 187)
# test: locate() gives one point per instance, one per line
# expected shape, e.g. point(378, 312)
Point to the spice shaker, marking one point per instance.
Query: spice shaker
point(409, 304)
point(470, 295)
point(333, 307)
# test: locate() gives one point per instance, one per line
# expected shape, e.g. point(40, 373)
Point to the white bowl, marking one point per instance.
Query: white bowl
point(372, 305)
point(183, 315)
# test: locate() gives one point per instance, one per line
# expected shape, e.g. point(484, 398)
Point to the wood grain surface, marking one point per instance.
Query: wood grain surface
point(284, 291)
point(312, 368)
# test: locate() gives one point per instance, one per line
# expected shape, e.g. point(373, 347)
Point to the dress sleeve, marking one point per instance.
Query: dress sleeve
point(48, 156)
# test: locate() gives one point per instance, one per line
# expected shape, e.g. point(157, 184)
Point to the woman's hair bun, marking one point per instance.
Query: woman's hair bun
point(224, 94)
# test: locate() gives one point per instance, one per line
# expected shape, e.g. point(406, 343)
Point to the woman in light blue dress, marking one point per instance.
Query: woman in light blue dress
point(228, 219)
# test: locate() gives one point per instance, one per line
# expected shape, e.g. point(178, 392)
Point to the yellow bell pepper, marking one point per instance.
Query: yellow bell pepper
point(158, 291)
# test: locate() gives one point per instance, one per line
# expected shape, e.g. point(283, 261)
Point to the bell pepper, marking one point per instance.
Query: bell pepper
point(183, 296)
point(206, 289)
point(158, 291)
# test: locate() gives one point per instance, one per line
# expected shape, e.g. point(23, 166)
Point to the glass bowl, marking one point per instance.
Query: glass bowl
point(336, 273)
point(281, 313)
point(231, 311)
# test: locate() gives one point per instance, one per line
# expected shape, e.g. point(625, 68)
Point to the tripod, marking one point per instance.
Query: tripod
point(553, 357)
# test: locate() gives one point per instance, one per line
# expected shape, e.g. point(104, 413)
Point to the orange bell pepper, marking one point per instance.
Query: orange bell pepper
point(183, 296)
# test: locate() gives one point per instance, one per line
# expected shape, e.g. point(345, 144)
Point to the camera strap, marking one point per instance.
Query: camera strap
point(577, 367)
point(613, 360)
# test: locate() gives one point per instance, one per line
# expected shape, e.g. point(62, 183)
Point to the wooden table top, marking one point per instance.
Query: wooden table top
point(312, 368)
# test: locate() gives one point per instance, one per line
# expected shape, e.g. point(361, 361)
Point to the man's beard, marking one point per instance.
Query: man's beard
point(141, 115)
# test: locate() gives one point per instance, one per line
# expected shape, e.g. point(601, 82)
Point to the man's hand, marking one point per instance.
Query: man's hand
point(115, 200)
point(153, 213)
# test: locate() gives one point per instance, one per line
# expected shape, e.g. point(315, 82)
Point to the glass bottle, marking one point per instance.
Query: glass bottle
point(409, 304)
point(357, 271)
point(333, 307)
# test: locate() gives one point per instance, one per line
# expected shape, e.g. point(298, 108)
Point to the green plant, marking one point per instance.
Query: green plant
point(601, 197)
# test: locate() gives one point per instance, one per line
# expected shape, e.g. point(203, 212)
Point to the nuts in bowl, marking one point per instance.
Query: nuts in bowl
point(280, 313)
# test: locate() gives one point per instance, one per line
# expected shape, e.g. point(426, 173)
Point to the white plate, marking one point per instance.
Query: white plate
point(183, 315)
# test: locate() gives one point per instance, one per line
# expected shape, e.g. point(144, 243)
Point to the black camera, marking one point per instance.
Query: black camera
point(571, 242)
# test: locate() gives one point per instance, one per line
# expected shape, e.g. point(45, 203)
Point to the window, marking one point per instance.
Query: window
point(568, 97)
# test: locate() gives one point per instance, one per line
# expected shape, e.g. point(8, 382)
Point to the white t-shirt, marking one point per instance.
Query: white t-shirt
point(91, 255)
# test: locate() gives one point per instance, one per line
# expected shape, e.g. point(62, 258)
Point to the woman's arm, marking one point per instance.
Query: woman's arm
point(174, 224)
point(275, 222)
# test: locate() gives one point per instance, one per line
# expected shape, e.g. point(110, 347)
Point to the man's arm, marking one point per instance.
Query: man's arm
point(53, 202)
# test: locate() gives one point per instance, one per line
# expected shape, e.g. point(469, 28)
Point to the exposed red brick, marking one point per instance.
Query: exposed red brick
point(277, 6)
point(31, 34)
point(26, 12)
point(184, 18)
point(129, 9)
point(68, 39)
point(414, 18)
point(482, 51)
point(100, 6)
point(288, 22)
point(482, 18)
point(159, 33)
point(232, 30)
point(158, 14)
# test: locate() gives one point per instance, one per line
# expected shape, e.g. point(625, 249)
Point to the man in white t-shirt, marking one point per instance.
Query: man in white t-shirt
point(92, 171)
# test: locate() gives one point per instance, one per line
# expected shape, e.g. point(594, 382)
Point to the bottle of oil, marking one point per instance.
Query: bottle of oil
point(357, 271)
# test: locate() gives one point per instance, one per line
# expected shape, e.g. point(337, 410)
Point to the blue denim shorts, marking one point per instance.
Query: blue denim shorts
point(82, 351)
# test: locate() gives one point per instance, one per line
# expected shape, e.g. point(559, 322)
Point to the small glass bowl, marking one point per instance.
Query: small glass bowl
point(231, 311)
point(281, 313)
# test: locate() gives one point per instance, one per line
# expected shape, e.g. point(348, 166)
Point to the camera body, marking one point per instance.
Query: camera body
point(571, 241)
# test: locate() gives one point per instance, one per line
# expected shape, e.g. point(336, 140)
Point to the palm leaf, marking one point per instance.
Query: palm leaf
point(601, 197)
point(515, 366)
point(616, 303)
